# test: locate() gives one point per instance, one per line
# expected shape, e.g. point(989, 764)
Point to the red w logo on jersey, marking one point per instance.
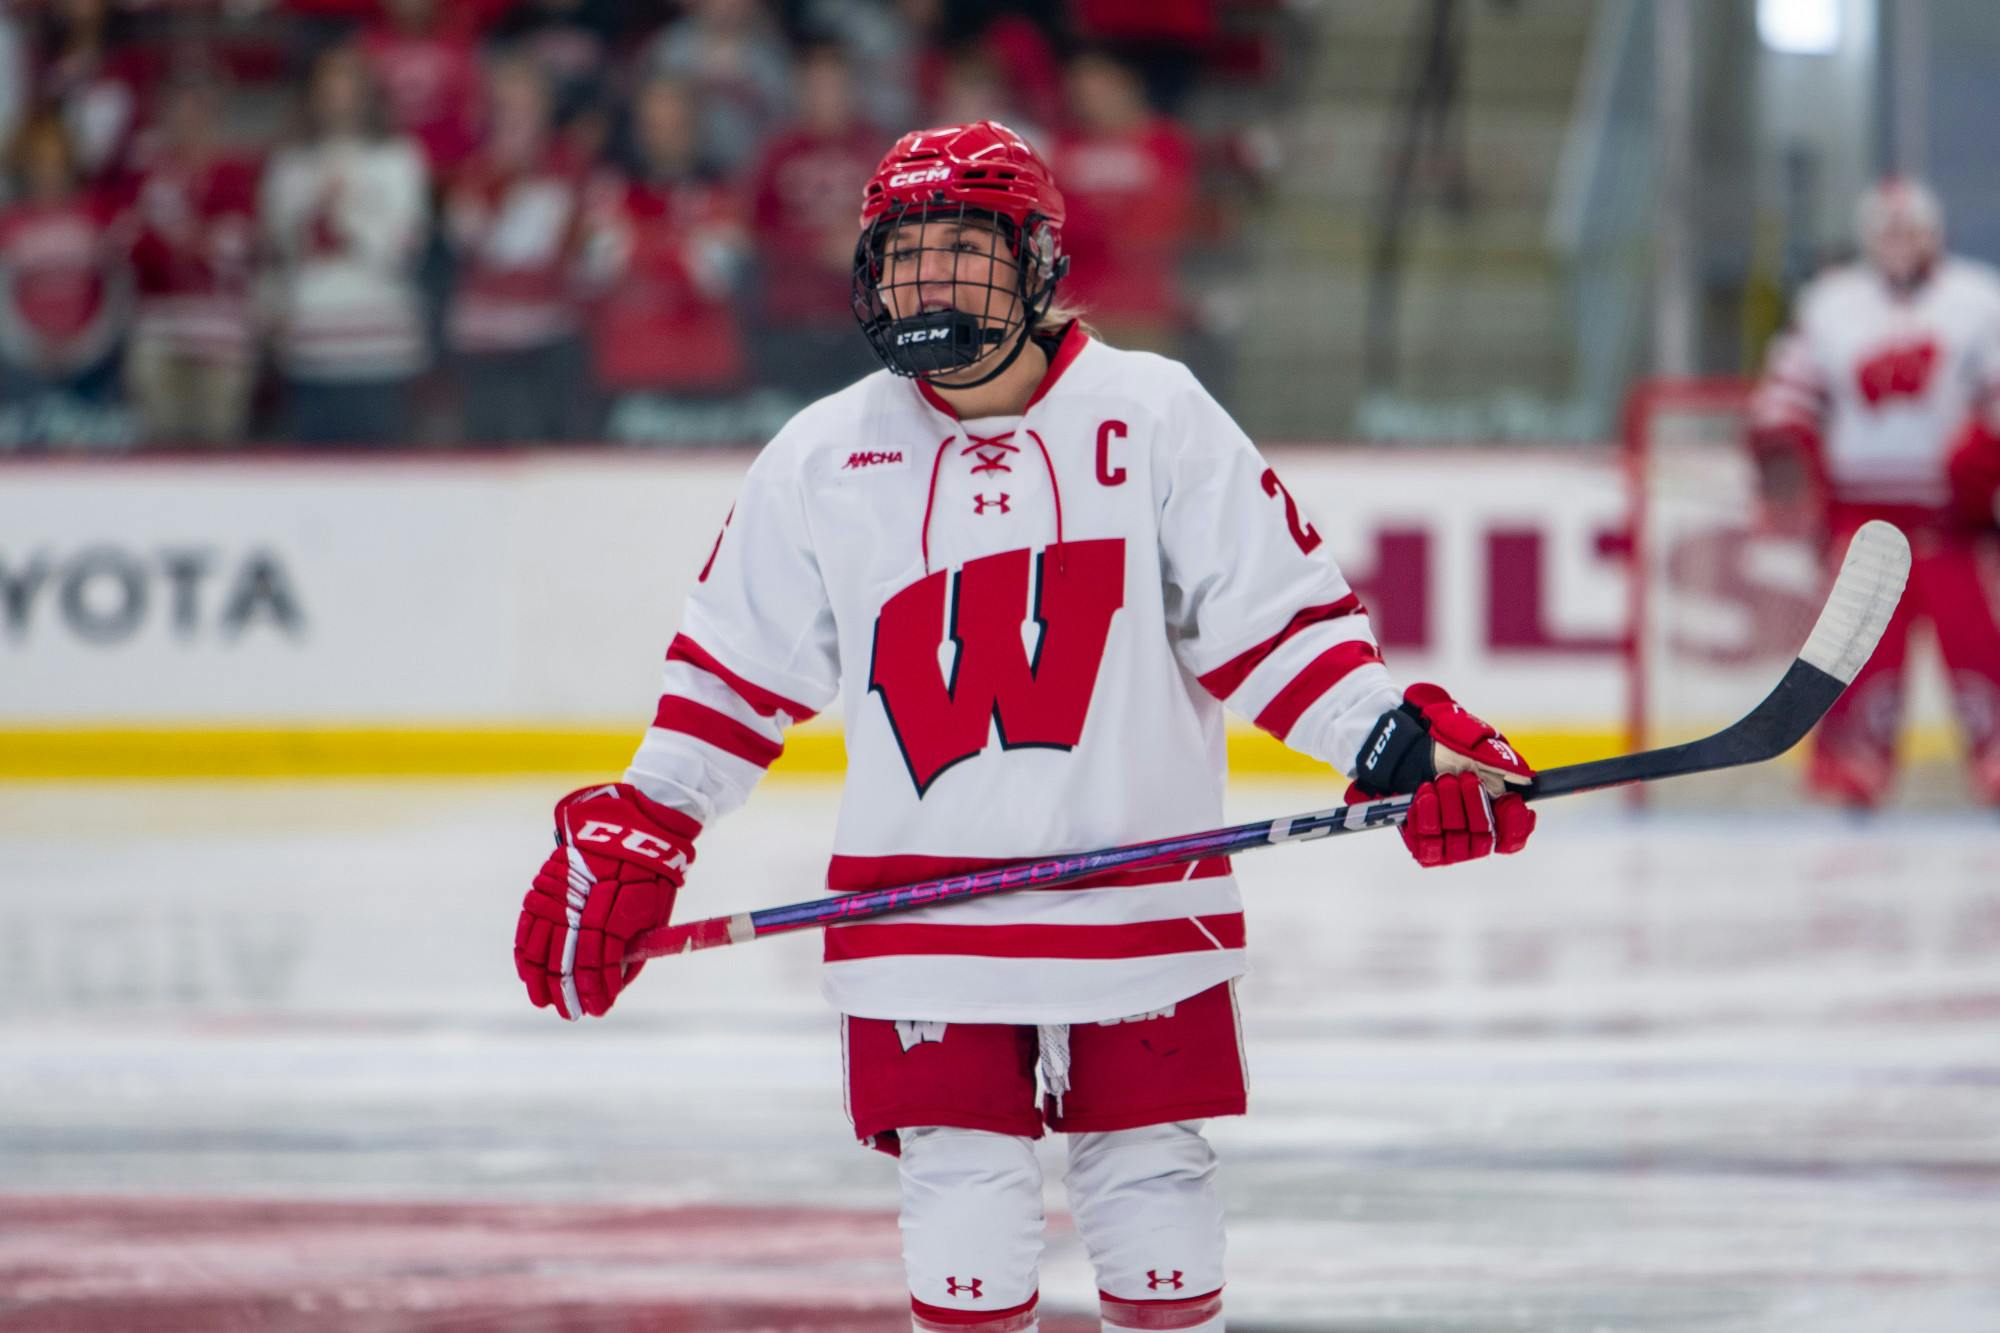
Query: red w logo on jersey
point(1036, 698)
point(1903, 371)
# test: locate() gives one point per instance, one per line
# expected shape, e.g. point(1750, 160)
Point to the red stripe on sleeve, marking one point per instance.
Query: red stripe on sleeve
point(1321, 674)
point(1222, 681)
point(684, 649)
point(1133, 939)
point(718, 729)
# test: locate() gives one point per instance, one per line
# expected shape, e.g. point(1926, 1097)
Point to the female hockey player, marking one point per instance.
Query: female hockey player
point(1032, 569)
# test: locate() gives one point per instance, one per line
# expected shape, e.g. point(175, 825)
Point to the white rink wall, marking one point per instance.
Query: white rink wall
point(457, 598)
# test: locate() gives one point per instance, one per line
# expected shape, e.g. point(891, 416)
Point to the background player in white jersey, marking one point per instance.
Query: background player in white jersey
point(1892, 366)
point(1032, 569)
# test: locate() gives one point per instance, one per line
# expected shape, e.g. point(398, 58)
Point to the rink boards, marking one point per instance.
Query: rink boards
point(507, 613)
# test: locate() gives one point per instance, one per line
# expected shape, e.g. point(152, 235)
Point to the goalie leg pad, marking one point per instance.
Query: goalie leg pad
point(1146, 1205)
point(972, 1228)
point(1963, 599)
point(1854, 749)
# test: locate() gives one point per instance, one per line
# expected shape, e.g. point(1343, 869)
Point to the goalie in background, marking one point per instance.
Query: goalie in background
point(1882, 400)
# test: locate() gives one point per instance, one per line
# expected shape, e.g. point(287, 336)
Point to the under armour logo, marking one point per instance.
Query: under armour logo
point(969, 1287)
point(980, 503)
point(1170, 1282)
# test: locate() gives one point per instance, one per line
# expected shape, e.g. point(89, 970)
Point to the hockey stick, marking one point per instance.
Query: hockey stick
point(1864, 596)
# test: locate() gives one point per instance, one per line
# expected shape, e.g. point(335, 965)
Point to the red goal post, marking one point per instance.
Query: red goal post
point(1720, 598)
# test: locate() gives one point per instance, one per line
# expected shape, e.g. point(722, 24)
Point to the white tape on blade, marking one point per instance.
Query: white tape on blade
point(1864, 596)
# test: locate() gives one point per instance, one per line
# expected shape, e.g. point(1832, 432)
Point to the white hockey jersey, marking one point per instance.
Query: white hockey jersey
point(1885, 381)
point(1031, 624)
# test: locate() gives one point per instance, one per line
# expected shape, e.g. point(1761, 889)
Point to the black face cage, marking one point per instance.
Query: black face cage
point(1003, 311)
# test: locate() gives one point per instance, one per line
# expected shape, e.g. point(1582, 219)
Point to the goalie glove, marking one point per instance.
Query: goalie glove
point(619, 861)
point(1460, 773)
point(1973, 470)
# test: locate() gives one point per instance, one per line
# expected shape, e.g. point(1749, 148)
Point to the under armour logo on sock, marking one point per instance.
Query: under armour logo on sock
point(969, 1287)
point(1170, 1281)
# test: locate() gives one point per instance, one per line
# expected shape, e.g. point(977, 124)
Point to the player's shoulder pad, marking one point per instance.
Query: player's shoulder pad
point(1830, 287)
point(826, 422)
point(1147, 376)
point(1975, 274)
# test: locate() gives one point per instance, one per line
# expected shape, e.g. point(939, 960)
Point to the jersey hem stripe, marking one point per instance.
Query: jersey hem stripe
point(856, 874)
point(1133, 939)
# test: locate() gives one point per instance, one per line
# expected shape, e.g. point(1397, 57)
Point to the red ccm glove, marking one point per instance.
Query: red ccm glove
point(1459, 772)
point(620, 858)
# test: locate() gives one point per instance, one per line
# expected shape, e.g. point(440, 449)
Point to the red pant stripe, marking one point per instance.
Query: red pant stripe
point(1192, 1312)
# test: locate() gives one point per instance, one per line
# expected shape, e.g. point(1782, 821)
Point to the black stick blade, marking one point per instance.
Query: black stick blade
point(1857, 611)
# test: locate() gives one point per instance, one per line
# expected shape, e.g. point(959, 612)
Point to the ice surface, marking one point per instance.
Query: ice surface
point(265, 1064)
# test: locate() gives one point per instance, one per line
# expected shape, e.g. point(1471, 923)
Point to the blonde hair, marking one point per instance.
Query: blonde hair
point(1060, 313)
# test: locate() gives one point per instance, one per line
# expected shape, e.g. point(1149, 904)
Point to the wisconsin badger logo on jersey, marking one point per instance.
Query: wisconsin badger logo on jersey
point(1061, 598)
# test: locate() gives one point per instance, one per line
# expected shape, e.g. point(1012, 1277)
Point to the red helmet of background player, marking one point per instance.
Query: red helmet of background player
point(1900, 226)
point(980, 173)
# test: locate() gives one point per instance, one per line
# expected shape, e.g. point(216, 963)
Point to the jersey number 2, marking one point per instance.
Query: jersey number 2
point(1303, 532)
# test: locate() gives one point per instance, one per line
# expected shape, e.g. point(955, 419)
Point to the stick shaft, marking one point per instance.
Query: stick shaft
point(1858, 608)
point(717, 931)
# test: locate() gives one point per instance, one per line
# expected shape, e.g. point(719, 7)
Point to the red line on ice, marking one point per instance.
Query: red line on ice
point(97, 1264)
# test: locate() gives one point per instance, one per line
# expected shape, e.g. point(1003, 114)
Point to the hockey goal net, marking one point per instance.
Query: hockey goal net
point(1722, 597)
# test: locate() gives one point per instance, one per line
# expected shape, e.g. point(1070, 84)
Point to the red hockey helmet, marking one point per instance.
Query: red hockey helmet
point(980, 173)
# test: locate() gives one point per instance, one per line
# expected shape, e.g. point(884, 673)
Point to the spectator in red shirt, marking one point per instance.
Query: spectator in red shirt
point(970, 88)
point(804, 190)
point(514, 220)
point(344, 210)
point(428, 70)
point(65, 284)
point(1128, 178)
point(189, 366)
point(1167, 39)
point(572, 41)
point(667, 249)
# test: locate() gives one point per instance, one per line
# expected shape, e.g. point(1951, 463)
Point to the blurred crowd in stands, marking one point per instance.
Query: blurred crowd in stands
point(381, 222)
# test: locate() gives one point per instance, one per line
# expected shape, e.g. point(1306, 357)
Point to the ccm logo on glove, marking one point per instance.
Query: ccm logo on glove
point(1461, 774)
point(634, 840)
point(619, 861)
